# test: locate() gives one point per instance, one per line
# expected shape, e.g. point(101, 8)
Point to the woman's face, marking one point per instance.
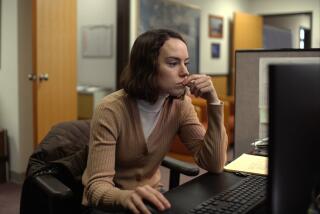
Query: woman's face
point(172, 67)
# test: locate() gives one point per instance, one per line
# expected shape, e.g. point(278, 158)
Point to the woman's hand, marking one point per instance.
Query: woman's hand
point(134, 201)
point(201, 86)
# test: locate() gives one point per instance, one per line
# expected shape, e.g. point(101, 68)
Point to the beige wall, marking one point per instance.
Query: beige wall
point(291, 6)
point(97, 71)
point(15, 89)
point(293, 23)
point(25, 86)
point(9, 104)
point(225, 9)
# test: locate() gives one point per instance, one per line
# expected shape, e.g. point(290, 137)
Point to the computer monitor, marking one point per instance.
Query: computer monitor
point(294, 137)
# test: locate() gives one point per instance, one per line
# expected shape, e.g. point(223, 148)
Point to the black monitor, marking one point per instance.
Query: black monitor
point(294, 137)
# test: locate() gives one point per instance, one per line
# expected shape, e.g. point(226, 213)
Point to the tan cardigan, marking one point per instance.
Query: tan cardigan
point(120, 159)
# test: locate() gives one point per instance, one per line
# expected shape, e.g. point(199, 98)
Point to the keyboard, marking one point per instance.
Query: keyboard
point(239, 198)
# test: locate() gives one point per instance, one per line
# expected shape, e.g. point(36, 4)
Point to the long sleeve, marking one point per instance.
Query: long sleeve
point(119, 159)
point(209, 147)
point(100, 189)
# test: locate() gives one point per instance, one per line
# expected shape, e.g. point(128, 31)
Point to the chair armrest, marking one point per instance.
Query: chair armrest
point(53, 187)
point(180, 166)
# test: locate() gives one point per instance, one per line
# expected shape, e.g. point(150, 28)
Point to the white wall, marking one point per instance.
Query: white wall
point(290, 22)
point(9, 108)
point(225, 9)
point(264, 7)
point(222, 8)
point(25, 86)
point(15, 90)
point(97, 71)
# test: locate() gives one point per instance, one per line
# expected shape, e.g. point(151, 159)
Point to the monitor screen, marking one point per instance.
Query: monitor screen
point(294, 137)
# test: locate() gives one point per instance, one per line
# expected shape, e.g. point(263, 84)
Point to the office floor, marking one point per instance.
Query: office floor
point(10, 198)
point(10, 192)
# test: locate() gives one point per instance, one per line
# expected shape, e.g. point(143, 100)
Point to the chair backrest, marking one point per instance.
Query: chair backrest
point(65, 142)
point(63, 154)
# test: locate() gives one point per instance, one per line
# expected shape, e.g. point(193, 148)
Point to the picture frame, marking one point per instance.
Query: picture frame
point(215, 26)
point(215, 50)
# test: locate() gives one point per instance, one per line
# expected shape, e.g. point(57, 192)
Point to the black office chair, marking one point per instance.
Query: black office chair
point(53, 180)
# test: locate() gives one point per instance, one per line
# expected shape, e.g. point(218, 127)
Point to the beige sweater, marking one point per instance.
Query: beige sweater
point(120, 159)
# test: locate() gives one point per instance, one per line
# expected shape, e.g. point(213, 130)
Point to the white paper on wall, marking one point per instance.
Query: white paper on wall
point(97, 41)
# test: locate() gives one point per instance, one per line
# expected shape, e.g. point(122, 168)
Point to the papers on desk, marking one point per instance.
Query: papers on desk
point(249, 164)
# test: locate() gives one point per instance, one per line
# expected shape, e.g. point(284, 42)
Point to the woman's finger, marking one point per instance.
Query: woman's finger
point(199, 89)
point(192, 78)
point(137, 201)
point(132, 207)
point(145, 193)
point(160, 196)
point(205, 87)
point(202, 79)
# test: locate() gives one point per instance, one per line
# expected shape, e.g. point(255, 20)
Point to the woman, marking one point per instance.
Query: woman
point(131, 129)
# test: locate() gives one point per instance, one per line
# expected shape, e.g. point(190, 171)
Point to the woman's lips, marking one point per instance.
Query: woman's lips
point(180, 85)
point(189, 84)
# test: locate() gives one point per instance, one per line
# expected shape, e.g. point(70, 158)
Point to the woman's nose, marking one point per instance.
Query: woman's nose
point(184, 70)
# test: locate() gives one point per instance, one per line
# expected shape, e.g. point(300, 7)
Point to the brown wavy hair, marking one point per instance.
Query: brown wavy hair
point(139, 78)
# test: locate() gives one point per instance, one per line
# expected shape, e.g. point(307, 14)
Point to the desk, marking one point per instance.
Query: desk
point(192, 193)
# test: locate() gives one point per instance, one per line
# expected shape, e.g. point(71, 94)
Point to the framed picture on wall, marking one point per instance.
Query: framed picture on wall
point(215, 26)
point(215, 50)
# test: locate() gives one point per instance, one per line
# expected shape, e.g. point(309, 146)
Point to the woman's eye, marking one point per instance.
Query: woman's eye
point(172, 64)
point(187, 64)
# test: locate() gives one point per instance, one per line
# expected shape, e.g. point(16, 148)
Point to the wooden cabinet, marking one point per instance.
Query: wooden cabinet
point(88, 99)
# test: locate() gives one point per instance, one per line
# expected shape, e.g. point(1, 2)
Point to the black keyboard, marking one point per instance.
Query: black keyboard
point(239, 198)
